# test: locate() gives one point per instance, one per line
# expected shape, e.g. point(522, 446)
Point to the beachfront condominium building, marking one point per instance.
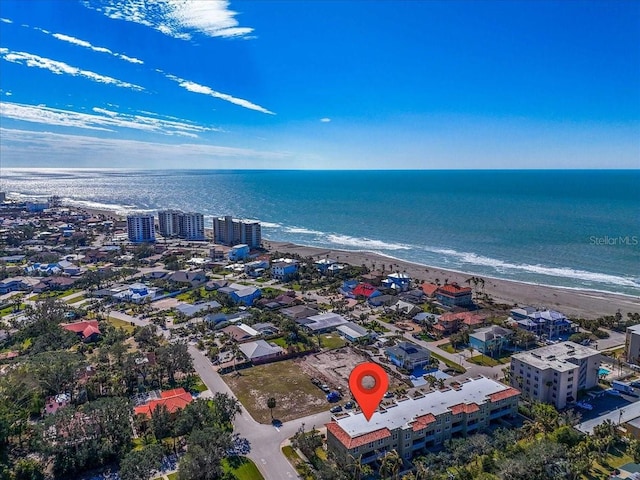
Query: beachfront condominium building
point(169, 222)
point(191, 226)
point(453, 295)
point(141, 228)
point(412, 426)
point(633, 344)
point(554, 374)
point(230, 231)
point(176, 223)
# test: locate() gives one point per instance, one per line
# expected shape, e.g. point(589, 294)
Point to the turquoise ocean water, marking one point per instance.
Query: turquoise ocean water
point(576, 229)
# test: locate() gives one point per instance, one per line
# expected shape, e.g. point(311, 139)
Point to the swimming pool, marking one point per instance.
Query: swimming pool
point(603, 371)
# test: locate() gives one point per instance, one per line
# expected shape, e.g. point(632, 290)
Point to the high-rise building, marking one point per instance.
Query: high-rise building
point(169, 223)
point(230, 231)
point(176, 223)
point(191, 226)
point(141, 228)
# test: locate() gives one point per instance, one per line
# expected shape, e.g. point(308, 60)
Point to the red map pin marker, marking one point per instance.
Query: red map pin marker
point(368, 398)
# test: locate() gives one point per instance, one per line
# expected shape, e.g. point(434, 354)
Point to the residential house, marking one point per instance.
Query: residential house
point(548, 323)
point(353, 332)
point(187, 278)
point(261, 351)
point(323, 322)
point(191, 310)
point(88, 330)
point(366, 290)
point(429, 289)
point(284, 271)
point(298, 311)
point(174, 400)
point(13, 284)
point(555, 373)
point(414, 425)
point(323, 264)
point(383, 300)
point(69, 268)
point(490, 340)
point(397, 281)
point(241, 332)
point(136, 293)
point(405, 308)
point(241, 294)
point(408, 355)
point(414, 296)
point(425, 318)
point(239, 252)
point(453, 295)
point(266, 328)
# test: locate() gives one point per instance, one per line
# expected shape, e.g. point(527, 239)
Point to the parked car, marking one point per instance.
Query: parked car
point(336, 409)
point(349, 405)
point(613, 391)
point(388, 395)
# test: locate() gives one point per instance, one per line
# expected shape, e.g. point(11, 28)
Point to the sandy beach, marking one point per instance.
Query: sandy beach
point(574, 303)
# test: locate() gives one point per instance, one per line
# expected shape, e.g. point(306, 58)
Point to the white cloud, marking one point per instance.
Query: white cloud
point(22, 148)
point(204, 90)
point(8, 94)
point(176, 18)
point(85, 44)
point(6, 20)
point(105, 120)
point(325, 120)
point(60, 68)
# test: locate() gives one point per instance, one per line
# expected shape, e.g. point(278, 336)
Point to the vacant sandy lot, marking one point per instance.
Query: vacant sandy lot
point(335, 366)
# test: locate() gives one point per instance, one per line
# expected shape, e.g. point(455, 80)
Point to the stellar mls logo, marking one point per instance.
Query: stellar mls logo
point(628, 240)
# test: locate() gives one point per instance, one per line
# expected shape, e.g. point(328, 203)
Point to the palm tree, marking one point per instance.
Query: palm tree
point(271, 404)
point(390, 465)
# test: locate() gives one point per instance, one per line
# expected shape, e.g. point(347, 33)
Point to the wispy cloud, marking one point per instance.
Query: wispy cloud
point(85, 44)
point(325, 120)
point(176, 18)
point(61, 68)
point(101, 119)
point(6, 20)
point(20, 148)
point(204, 90)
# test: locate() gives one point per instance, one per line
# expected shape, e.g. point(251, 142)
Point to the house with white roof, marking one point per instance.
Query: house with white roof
point(413, 425)
point(260, 351)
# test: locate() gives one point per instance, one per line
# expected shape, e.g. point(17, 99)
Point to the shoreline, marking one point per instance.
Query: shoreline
point(571, 301)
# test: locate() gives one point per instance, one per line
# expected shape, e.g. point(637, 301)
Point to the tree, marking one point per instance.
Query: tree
point(225, 409)
point(271, 404)
point(205, 451)
point(28, 469)
point(161, 423)
point(195, 416)
point(140, 464)
point(175, 358)
point(390, 464)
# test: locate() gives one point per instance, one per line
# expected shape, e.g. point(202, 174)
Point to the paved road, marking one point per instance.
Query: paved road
point(265, 439)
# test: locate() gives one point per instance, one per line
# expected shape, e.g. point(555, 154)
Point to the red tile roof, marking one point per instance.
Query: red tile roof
point(509, 392)
point(422, 421)
point(364, 289)
point(85, 327)
point(174, 400)
point(468, 318)
point(464, 408)
point(349, 442)
point(429, 289)
point(454, 289)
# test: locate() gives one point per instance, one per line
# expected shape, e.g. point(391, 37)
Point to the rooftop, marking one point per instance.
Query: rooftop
point(403, 415)
point(557, 356)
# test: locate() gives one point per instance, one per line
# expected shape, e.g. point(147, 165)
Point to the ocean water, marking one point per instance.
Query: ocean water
point(575, 229)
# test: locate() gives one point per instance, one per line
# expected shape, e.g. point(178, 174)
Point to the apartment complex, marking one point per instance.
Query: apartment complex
point(633, 344)
point(555, 373)
point(176, 223)
point(413, 425)
point(141, 228)
point(230, 231)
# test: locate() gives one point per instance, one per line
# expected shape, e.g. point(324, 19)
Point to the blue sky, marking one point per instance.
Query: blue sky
point(323, 84)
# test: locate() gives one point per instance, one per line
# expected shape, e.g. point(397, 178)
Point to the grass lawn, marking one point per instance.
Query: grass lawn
point(76, 299)
point(483, 360)
point(295, 395)
point(447, 347)
point(456, 366)
point(116, 322)
point(294, 460)
point(280, 341)
point(173, 476)
point(332, 340)
point(615, 459)
point(242, 468)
